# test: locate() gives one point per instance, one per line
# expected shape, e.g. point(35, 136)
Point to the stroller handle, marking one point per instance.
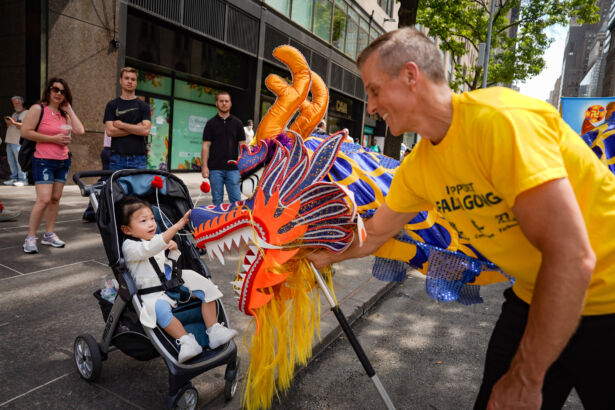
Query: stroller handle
point(85, 188)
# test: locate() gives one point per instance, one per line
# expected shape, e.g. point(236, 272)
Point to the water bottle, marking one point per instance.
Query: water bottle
point(108, 290)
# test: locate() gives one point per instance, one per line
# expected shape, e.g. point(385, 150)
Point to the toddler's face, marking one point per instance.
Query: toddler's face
point(142, 224)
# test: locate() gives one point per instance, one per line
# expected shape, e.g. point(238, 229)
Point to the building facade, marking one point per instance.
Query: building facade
point(186, 51)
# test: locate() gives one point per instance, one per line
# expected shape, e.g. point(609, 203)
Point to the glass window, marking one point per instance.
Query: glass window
point(363, 40)
point(339, 28)
point(195, 92)
point(158, 140)
point(283, 6)
point(322, 19)
point(153, 83)
point(189, 119)
point(302, 13)
point(352, 33)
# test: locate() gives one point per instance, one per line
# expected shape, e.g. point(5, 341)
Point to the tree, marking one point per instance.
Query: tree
point(518, 40)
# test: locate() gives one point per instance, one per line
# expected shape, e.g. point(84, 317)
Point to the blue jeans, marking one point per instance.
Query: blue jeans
point(12, 150)
point(218, 179)
point(119, 161)
point(164, 315)
point(48, 171)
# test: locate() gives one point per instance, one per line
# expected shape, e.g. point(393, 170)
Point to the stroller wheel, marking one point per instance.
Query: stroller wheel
point(87, 357)
point(187, 398)
point(231, 378)
point(230, 388)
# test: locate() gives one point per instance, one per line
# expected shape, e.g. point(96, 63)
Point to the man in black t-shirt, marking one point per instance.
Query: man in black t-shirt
point(222, 136)
point(128, 122)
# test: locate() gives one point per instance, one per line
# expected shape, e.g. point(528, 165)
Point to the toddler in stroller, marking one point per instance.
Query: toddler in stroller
point(123, 328)
point(144, 254)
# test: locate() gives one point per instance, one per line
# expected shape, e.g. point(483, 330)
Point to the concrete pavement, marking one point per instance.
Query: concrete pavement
point(46, 301)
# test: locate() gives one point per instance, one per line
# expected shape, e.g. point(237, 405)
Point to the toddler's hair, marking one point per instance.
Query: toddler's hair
point(127, 206)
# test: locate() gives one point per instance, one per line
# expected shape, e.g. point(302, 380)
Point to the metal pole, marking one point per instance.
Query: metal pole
point(488, 45)
point(352, 339)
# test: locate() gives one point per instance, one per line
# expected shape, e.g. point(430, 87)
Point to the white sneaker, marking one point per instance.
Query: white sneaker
point(219, 335)
point(18, 183)
point(9, 181)
point(189, 348)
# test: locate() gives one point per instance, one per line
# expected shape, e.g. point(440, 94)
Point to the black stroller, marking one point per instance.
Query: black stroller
point(122, 327)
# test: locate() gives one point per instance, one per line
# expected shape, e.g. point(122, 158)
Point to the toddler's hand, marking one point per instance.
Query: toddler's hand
point(172, 245)
point(184, 220)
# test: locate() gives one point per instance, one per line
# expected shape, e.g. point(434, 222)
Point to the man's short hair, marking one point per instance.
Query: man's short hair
point(219, 93)
point(128, 70)
point(17, 97)
point(397, 47)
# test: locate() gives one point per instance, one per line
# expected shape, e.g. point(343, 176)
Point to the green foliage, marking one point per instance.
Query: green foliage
point(517, 45)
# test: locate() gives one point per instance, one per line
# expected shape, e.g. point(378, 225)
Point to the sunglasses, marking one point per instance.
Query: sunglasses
point(58, 90)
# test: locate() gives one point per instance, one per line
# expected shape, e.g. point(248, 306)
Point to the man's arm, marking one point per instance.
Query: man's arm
point(385, 224)
point(142, 128)
point(550, 218)
point(204, 158)
point(113, 131)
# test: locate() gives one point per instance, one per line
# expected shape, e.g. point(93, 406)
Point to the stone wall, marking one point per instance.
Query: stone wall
point(80, 51)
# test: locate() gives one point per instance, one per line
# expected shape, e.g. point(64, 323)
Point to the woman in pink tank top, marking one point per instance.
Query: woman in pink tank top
point(50, 124)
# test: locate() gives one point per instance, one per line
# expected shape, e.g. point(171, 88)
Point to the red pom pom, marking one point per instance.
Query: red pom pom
point(205, 188)
point(157, 182)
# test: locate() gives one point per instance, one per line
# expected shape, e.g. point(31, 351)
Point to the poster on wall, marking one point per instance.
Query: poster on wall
point(585, 114)
point(154, 83)
point(158, 140)
point(189, 120)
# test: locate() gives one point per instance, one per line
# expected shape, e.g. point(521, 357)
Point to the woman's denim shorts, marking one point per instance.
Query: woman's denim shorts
point(48, 171)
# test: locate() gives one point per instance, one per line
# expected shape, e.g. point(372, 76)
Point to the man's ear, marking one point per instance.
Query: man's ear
point(411, 72)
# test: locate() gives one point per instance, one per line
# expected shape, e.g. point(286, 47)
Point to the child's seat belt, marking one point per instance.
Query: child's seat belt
point(172, 285)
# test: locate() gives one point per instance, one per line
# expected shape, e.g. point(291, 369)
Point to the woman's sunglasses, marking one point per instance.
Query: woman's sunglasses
point(58, 90)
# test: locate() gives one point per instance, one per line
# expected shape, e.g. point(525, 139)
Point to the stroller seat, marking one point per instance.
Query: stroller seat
point(123, 329)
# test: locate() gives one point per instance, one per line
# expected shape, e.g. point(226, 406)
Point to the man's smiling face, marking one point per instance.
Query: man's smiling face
point(389, 96)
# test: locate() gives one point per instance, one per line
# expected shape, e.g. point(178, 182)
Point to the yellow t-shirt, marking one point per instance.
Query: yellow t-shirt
point(500, 144)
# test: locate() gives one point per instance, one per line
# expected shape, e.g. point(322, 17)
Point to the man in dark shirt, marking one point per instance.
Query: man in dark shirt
point(221, 139)
point(127, 122)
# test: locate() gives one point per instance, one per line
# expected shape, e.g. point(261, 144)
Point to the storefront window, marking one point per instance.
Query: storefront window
point(283, 6)
point(302, 13)
point(322, 19)
point(339, 28)
point(158, 140)
point(195, 92)
point(189, 120)
point(153, 83)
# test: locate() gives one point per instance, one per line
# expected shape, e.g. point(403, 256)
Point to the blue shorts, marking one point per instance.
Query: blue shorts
point(164, 315)
point(48, 171)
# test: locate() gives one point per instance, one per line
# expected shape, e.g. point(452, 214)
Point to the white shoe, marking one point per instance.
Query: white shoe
point(18, 183)
point(219, 335)
point(9, 181)
point(189, 348)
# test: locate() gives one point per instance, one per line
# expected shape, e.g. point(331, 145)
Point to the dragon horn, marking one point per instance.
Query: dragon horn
point(312, 112)
point(289, 97)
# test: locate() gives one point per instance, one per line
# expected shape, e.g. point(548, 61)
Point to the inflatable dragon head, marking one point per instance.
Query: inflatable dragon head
point(292, 206)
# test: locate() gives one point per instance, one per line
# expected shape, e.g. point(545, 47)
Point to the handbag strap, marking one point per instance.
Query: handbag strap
point(41, 117)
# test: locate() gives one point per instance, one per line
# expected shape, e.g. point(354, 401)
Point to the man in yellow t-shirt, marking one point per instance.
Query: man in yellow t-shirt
point(526, 192)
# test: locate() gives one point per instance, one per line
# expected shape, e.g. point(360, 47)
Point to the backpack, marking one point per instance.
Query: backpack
point(26, 151)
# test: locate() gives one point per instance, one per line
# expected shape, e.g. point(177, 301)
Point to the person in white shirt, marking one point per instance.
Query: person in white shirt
point(249, 130)
point(13, 125)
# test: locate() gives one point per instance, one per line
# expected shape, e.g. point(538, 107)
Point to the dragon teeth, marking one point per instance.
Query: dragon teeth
point(218, 253)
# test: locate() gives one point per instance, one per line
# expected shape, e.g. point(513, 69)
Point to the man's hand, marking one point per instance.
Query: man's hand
point(320, 259)
point(512, 392)
point(204, 171)
point(118, 124)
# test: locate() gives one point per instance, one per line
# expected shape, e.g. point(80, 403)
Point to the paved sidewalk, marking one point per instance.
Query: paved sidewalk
point(46, 301)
